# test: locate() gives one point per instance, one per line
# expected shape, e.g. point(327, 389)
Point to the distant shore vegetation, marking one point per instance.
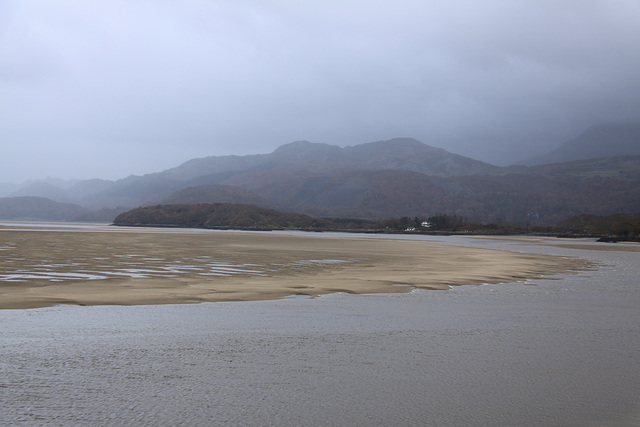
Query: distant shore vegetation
point(248, 217)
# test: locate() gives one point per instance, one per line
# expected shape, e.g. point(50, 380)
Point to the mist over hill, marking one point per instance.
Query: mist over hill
point(394, 178)
point(605, 140)
point(398, 154)
point(29, 208)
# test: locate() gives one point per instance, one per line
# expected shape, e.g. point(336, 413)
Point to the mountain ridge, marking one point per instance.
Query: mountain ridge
point(396, 177)
point(319, 156)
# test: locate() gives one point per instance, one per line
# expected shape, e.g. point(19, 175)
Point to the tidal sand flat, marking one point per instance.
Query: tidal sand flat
point(112, 266)
point(534, 353)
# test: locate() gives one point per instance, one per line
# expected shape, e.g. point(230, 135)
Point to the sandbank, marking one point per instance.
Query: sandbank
point(115, 266)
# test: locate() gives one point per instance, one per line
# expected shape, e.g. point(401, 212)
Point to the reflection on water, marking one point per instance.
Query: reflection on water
point(548, 352)
point(91, 259)
point(140, 268)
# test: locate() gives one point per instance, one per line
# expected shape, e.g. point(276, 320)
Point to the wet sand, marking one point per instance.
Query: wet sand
point(544, 352)
point(112, 266)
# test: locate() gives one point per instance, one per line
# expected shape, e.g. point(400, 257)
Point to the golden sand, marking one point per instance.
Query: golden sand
point(46, 267)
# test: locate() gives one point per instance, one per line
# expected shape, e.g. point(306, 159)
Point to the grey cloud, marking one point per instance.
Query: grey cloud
point(137, 86)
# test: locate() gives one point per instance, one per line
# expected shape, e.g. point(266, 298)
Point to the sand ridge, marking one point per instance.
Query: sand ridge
point(46, 267)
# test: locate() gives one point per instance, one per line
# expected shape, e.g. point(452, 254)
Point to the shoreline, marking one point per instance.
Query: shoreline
point(44, 268)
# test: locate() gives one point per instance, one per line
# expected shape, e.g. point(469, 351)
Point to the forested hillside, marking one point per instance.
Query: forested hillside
point(218, 215)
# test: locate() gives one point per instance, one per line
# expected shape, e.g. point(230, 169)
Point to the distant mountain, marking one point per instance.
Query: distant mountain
point(394, 178)
point(371, 194)
point(400, 154)
point(38, 208)
point(290, 160)
point(81, 190)
point(133, 191)
point(605, 140)
point(7, 188)
point(74, 191)
point(537, 195)
point(43, 189)
point(541, 195)
point(408, 154)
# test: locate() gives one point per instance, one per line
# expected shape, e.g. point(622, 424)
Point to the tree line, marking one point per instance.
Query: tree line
point(249, 217)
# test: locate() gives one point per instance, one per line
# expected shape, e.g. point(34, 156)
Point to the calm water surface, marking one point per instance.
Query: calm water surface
point(547, 352)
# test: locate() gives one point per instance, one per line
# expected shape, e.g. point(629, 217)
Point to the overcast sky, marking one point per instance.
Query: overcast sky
point(112, 88)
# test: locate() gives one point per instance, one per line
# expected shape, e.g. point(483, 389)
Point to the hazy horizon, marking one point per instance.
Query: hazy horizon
point(108, 90)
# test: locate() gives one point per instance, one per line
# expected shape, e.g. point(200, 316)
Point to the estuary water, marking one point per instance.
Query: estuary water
point(561, 352)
